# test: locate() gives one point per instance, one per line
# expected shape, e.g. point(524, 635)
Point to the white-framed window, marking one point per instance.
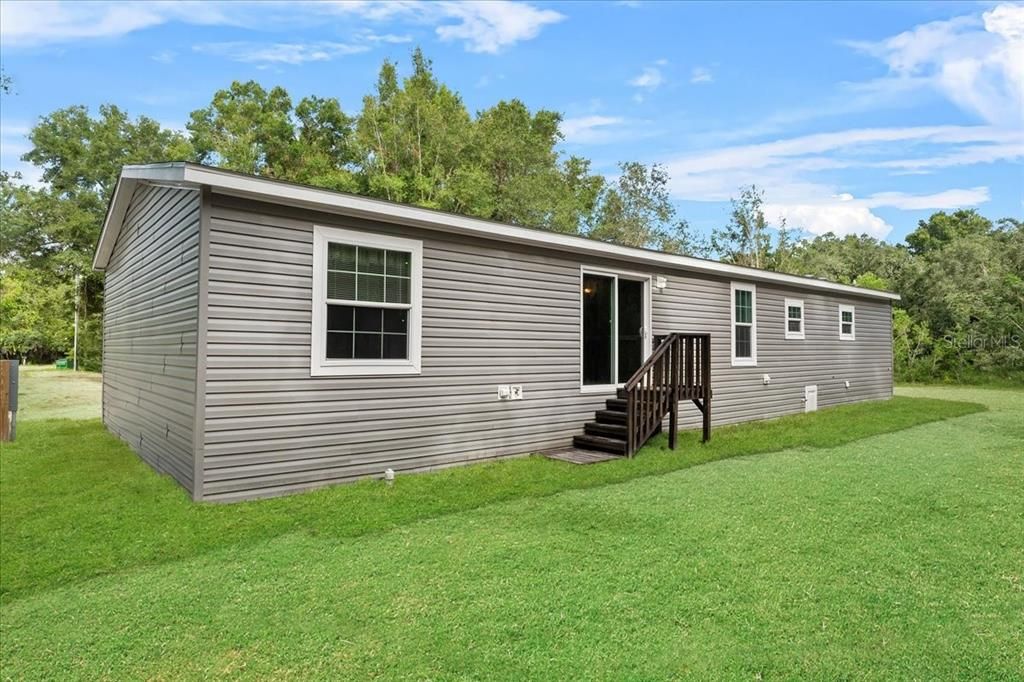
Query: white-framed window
point(847, 323)
point(794, 318)
point(744, 324)
point(367, 303)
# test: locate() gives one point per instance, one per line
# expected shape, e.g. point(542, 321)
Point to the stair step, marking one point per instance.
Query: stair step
point(610, 417)
point(608, 430)
point(618, 404)
point(602, 443)
point(620, 393)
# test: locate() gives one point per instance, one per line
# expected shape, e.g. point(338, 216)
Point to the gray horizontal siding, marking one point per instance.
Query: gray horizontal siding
point(821, 358)
point(492, 314)
point(150, 325)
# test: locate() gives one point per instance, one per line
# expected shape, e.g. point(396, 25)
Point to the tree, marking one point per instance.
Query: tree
point(412, 137)
point(637, 211)
point(37, 314)
point(850, 258)
point(418, 144)
point(324, 152)
point(965, 287)
point(942, 228)
point(745, 240)
point(48, 234)
point(252, 130)
point(81, 157)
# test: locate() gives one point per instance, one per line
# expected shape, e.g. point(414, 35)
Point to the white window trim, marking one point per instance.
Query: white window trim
point(752, 288)
point(852, 336)
point(320, 366)
point(616, 275)
point(795, 303)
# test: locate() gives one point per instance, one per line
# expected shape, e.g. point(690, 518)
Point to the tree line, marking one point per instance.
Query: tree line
point(414, 141)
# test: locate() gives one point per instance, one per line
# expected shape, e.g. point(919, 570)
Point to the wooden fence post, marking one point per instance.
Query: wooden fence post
point(5, 401)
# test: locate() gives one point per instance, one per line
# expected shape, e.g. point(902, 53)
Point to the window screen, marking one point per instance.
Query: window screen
point(357, 278)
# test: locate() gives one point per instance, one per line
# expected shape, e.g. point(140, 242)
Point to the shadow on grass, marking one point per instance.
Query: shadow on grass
point(77, 503)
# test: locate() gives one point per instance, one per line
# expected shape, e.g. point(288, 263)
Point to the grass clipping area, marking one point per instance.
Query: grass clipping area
point(878, 541)
point(77, 503)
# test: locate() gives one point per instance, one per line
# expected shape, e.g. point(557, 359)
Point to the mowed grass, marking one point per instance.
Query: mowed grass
point(875, 541)
point(75, 502)
point(49, 393)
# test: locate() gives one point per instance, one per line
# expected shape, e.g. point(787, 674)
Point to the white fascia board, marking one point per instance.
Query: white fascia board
point(112, 223)
point(274, 191)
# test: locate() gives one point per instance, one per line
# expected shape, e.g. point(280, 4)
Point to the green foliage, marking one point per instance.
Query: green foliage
point(49, 234)
point(411, 138)
point(251, 130)
point(637, 211)
point(747, 238)
point(961, 317)
point(846, 259)
point(36, 314)
point(414, 141)
point(417, 143)
point(81, 157)
point(943, 228)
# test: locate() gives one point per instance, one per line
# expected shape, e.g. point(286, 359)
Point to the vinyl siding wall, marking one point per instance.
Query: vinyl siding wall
point(697, 304)
point(150, 326)
point(493, 313)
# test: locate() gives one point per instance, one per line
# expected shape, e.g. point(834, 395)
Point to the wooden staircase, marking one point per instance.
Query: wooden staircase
point(607, 433)
point(678, 369)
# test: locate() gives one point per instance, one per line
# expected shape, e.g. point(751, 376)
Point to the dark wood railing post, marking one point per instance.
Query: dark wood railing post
point(678, 369)
point(706, 384)
point(673, 419)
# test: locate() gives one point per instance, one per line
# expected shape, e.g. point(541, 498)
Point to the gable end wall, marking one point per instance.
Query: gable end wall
point(150, 327)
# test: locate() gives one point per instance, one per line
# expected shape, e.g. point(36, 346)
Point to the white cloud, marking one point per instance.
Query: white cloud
point(950, 198)
point(164, 56)
point(387, 38)
point(822, 151)
point(280, 53)
point(843, 214)
point(13, 143)
point(487, 27)
point(490, 27)
point(14, 138)
point(701, 74)
point(30, 24)
point(589, 129)
point(977, 62)
point(840, 217)
point(648, 79)
point(791, 172)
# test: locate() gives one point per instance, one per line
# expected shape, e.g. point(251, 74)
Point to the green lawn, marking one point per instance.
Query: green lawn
point(869, 541)
point(49, 393)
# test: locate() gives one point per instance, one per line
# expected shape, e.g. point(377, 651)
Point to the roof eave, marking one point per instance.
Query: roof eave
point(263, 189)
point(121, 199)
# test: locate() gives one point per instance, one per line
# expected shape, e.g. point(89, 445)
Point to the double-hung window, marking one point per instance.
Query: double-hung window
point(366, 304)
point(794, 318)
point(847, 323)
point(744, 324)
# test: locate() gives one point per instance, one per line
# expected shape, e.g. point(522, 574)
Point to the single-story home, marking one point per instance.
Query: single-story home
point(262, 337)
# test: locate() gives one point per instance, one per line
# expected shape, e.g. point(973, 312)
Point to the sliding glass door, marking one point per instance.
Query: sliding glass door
point(614, 331)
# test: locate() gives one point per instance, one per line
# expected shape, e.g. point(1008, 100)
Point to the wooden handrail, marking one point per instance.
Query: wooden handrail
point(678, 369)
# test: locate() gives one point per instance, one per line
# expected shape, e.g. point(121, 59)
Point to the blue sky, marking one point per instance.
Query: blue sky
point(852, 117)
